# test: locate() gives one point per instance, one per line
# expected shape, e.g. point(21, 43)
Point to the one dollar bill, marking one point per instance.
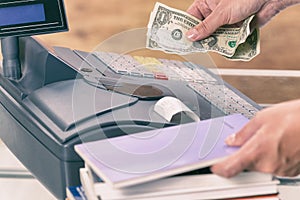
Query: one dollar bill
point(167, 28)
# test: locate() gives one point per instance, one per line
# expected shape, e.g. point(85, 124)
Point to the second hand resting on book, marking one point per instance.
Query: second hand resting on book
point(270, 141)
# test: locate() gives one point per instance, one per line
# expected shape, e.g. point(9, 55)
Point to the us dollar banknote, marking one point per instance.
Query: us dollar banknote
point(167, 28)
point(249, 49)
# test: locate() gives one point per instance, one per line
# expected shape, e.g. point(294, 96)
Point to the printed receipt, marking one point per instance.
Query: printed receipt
point(168, 106)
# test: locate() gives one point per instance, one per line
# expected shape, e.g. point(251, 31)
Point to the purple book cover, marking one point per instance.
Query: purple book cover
point(141, 157)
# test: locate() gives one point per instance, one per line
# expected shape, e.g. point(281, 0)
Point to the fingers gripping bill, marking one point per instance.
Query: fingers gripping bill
point(167, 28)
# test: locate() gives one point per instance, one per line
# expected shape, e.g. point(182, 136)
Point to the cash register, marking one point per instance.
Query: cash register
point(52, 98)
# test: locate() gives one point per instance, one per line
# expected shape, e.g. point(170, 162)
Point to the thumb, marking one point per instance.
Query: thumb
point(206, 27)
point(243, 135)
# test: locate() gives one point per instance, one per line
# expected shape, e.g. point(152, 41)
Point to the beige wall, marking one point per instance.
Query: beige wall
point(93, 21)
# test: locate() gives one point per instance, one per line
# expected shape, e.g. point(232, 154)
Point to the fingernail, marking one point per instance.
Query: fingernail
point(192, 34)
point(230, 139)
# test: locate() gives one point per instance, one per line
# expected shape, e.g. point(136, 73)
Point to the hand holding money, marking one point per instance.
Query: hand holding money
point(167, 28)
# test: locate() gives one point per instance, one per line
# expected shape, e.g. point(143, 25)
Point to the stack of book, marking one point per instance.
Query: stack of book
point(162, 164)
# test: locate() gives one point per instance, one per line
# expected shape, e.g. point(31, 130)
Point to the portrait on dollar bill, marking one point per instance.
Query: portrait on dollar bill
point(208, 42)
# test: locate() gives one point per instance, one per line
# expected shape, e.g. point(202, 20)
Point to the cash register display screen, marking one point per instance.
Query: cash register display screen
point(31, 17)
point(22, 14)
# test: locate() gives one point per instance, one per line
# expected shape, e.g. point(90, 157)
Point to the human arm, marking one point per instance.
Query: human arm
point(270, 143)
point(215, 13)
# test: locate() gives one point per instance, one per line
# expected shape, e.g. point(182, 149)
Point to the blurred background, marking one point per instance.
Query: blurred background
point(94, 21)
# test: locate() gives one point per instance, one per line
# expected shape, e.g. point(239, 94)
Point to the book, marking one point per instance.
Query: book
point(198, 186)
point(142, 157)
point(262, 197)
point(75, 193)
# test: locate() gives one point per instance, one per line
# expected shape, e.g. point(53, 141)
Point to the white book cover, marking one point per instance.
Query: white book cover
point(194, 186)
point(202, 186)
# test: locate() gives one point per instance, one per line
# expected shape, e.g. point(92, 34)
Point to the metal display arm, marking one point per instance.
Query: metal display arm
point(10, 52)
